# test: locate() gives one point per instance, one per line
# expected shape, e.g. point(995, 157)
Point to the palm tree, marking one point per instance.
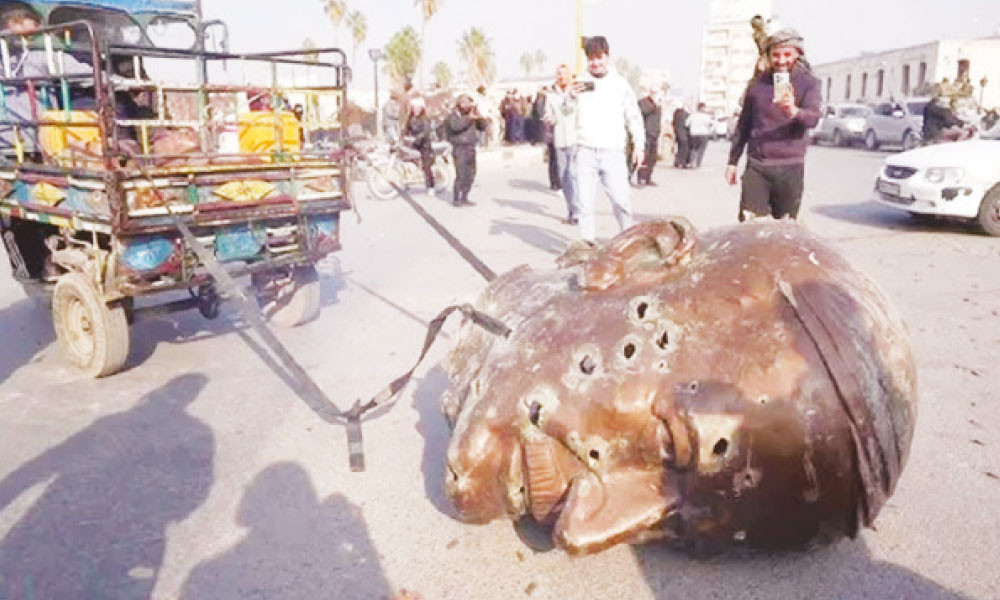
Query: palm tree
point(540, 59)
point(402, 55)
point(358, 25)
point(474, 49)
point(336, 10)
point(442, 74)
point(428, 8)
point(527, 63)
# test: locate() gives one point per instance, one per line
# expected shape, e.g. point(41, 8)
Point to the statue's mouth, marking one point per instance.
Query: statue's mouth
point(594, 496)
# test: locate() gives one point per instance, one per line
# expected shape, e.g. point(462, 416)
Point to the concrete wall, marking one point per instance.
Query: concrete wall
point(901, 71)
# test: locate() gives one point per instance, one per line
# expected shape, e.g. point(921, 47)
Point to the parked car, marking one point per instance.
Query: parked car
point(956, 179)
point(842, 124)
point(721, 128)
point(899, 122)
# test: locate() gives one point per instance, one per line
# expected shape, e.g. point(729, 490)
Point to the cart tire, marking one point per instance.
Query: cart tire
point(301, 305)
point(989, 212)
point(381, 185)
point(92, 335)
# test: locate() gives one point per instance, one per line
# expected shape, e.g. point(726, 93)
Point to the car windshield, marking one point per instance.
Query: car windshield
point(852, 111)
point(917, 108)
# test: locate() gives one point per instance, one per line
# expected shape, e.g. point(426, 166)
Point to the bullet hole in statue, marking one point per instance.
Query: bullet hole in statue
point(594, 454)
point(535, 413)
point(663, 341)
point(629, 350)
point(587, 365)
point(720, 447)
point(640, 310)
point(693, 387)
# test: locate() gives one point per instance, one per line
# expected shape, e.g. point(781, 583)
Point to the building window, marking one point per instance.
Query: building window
point(847, 88)
point(922, 74)
point(906, 80)
point(880, 80)
point(829, 84)
point(864, 85)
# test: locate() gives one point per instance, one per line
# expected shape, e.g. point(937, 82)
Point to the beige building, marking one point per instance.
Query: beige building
point(879, 76)
point(728, 52)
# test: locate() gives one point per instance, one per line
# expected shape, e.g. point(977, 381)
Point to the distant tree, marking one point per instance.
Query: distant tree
point(402, 55)
point(528, 63)
point(428, 8)
point(336, 10)
point(474, 49)
point(540, 60)
point(358, 25)
point(442, 74)
point(312, 99)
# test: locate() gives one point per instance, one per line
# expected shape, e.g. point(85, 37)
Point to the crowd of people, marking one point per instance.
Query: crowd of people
point(599, 136)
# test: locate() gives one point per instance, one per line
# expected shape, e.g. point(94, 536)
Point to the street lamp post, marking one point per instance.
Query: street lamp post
point(376, 55)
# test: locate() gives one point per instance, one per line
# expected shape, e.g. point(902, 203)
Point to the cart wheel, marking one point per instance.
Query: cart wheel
point(380, 182)
point(93, 335)
point(294, 303)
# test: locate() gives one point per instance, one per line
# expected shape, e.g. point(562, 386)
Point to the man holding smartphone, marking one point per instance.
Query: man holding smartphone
point(606, 107)
point(779, 107)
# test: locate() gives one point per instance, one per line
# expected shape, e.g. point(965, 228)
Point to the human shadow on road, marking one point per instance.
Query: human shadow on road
point(107, 495)
point(530, 184)
point(534, 208)
point(843, 571)
point(297, 546)
point(875, 215)
point(433, 427)
point(27, 329)
point(539, 237)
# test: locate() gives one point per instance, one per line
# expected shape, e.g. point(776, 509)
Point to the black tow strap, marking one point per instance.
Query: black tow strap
point(304, 385)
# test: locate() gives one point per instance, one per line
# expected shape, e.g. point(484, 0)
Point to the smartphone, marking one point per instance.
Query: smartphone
point(587, 86)
point(782, 86)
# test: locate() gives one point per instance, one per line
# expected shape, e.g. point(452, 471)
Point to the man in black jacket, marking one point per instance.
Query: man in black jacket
point(938, 118)
point(681, 137)
point(773, 124)
point(649, 106)
point(419, 134)
point(463, 127)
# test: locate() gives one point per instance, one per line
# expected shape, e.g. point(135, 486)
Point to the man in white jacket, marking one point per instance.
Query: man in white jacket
point(606, 107)
point(560, 114)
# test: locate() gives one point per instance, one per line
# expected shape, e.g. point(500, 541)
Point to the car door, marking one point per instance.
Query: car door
point(879, 120)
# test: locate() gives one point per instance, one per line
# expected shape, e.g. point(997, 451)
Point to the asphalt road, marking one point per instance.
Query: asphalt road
point(198, 473)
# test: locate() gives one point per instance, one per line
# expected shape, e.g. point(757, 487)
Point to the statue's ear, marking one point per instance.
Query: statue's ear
point(645, 252)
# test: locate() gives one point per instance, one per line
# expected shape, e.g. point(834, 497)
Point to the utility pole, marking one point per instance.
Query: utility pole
point(376, 55)
point(578, 40)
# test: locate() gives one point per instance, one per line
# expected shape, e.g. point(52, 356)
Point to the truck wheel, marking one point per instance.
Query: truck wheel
point(92, 335)
point(989, 212)
point(871, 140)
point(294, 303)
point(910, 140)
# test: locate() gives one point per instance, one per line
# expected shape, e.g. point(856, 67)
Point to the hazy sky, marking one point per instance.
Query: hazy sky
point(664, 34)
